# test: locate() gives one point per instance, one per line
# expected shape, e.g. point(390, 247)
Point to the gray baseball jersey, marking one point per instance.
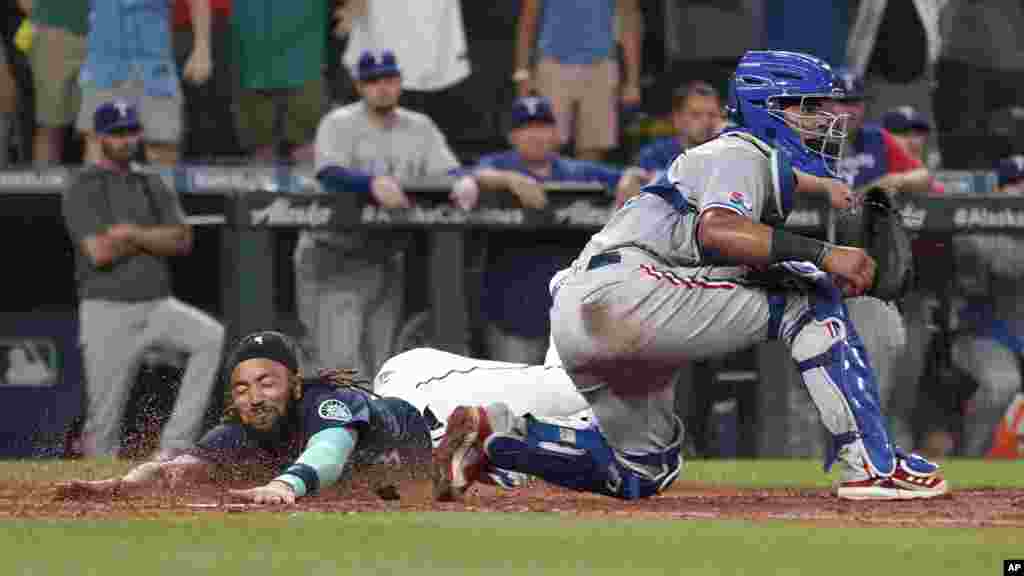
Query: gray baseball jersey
point(732, 172)
point(642, 300)
point(350, 285)
point(411, 148)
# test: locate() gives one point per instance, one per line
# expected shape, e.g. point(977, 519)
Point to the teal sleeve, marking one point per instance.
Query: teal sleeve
point(321, 463)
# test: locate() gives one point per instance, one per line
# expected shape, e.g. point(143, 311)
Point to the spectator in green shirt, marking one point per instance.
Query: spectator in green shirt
point(280, 56)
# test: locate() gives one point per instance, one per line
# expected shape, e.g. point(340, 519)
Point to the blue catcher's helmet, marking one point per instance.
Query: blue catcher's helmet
point(768, 81)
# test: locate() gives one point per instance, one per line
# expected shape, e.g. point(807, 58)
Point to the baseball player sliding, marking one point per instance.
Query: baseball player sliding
point(698, 265)
point(318, 425)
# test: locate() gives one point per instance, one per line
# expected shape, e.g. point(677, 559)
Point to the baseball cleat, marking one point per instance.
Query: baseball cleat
point(913, 478)
point(459, 460)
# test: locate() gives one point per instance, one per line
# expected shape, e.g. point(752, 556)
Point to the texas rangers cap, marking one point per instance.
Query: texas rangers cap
point(116, 116)
point(371, 67)
point(267, 344)
point(532, 109)
point(905, 119)
point(1011, 169)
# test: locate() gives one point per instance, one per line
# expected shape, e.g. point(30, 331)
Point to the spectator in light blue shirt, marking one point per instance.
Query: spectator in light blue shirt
point(577, 68)
point(130, 57)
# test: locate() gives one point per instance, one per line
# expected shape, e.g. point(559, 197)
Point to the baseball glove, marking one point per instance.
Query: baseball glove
point(888, 242)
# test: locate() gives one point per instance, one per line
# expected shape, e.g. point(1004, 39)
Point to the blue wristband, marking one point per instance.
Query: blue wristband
point(307, 474)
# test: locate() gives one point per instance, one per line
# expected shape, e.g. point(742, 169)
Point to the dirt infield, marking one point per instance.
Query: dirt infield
point(685, 501)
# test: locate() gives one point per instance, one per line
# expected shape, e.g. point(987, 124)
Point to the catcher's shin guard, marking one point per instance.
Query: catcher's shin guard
point(838, 375)
point(581, 459)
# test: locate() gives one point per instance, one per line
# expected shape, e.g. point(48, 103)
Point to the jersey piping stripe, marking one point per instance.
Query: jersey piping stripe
point(676, 280)
point(472, 369)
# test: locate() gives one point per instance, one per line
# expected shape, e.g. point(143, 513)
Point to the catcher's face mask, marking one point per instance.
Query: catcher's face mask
point(262, 390)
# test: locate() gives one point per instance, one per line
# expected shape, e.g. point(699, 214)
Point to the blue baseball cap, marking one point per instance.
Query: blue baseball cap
point(852, 85)
point(905, 119)
point(371, 67)
point(116, 116)
point(530, 109)
point(1011, 169)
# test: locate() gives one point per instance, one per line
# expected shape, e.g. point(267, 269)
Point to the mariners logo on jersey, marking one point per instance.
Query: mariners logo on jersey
point(334, 409)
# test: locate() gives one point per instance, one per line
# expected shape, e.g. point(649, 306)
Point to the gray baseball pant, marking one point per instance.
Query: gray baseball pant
point(114, 336)
point(350, 309)
point(638, 322)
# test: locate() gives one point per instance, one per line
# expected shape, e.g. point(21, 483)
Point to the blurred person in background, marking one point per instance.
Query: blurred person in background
point(515, 299)
point(129, 56)
point(910, 129)
point(873, 157)
point(8, 104)
point(209, 123)
point(894, 45)
point(125, 225)
point(990, 345)
point(913, 131)
point(279, 53)
point(350, 285)
point(696, 118)
point(56, 52)
point(575, 66)
point(429, 38)
point(980, 82)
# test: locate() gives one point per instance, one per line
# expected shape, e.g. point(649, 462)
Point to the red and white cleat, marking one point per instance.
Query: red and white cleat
point(913, 478)
point(459, 460)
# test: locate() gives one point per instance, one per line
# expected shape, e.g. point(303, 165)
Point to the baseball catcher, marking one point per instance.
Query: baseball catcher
point(679, 274)
point(315, 426)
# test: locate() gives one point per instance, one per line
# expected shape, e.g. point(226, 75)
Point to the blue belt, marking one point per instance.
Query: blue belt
point(603, 259)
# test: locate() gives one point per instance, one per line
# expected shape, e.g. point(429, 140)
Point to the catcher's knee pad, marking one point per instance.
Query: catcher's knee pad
point(581, 459)
point(842, 383)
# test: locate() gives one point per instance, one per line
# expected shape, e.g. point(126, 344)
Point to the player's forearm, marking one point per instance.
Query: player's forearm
point(322, 462)
point(729, 238)
point(200, 25)
point(915, 182)
point(526, 31)
point(173, 240)
point(491, 179)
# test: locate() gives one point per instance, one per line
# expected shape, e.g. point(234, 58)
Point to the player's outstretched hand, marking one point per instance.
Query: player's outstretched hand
point(852, 269)
point(274, 492)
point(88, 489)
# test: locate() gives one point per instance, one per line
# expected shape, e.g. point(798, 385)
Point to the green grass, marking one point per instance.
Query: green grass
point(451, 543)
point(464, 543)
